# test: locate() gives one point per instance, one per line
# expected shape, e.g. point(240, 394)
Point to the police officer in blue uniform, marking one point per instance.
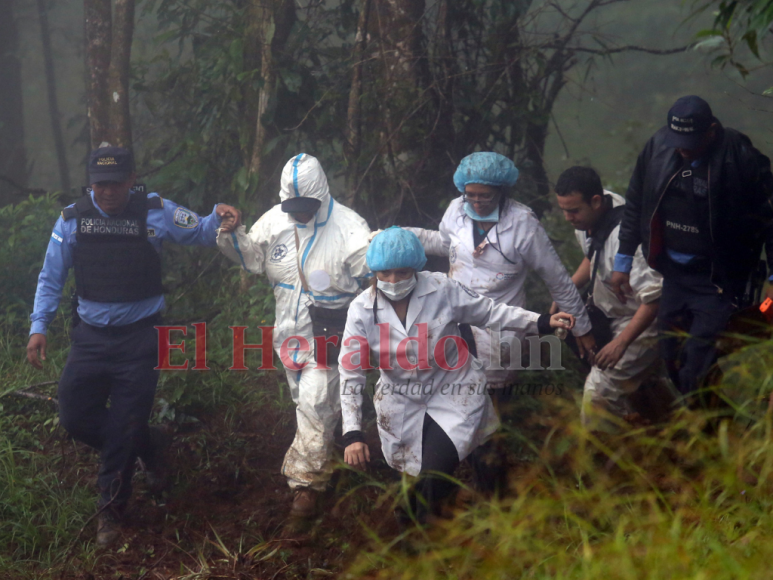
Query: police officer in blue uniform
point(112, 238)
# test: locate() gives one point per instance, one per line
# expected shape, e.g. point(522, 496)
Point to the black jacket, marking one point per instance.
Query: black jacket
point(740, 209)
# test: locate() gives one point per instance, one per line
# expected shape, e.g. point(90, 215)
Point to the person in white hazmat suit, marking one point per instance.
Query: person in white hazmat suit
point(492, 242)
point(630, 358)
point(432, 404)
point(312, 249)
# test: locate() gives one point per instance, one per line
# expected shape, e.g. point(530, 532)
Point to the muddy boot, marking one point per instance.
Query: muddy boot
point(156, 460)
point(304, 503)
point(108, 527)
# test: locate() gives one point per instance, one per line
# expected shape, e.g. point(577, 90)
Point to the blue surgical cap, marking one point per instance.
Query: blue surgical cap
point(395, 248)
point(487, 168)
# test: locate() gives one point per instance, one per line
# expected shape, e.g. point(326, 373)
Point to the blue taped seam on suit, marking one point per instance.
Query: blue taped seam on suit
point(295, 174)
point(238, 251)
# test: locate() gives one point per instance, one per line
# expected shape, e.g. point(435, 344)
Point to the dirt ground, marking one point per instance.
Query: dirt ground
point(225, 515)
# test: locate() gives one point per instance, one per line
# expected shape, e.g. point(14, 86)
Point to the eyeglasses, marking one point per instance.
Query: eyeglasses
point(479, 198)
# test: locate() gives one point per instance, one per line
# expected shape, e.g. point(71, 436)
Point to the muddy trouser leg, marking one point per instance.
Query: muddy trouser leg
point(307, 462)
point(438, 454)
point(618, 390)
point(116, 365)
point(489, 461)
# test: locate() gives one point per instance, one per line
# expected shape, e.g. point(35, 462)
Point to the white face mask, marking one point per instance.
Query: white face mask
point(398, 290)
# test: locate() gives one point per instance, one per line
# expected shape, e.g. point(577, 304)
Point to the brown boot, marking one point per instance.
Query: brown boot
point(304, 503)
point(108, 528)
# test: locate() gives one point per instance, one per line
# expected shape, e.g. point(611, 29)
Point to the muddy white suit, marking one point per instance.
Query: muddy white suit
point(455, 399)
point(610, 388)
point(331, 251)
point(516, 244)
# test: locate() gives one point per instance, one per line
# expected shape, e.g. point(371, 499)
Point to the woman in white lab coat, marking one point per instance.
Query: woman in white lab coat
point(492, 242)
point(432, 405)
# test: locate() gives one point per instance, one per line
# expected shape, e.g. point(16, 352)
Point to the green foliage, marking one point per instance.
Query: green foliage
point(437, 83)
point(27, 226)
point(736, 23)
point(685, 501)
point(39, 514)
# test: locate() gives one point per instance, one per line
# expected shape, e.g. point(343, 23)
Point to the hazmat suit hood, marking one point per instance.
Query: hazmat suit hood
point(303, 176)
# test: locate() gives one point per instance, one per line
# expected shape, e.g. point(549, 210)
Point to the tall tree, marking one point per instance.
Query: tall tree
point(53, 105)
point(269, 23)
point(13, 158)
point(108, 57)
point(389, 94)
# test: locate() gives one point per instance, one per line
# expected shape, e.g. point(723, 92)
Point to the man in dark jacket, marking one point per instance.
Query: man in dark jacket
point(699, 203)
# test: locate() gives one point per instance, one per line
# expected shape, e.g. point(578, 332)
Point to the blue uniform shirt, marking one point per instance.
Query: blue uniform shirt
point(172, 222)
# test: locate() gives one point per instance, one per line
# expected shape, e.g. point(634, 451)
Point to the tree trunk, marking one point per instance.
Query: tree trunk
point(118, 74)
point(270, 22)
point(53, 105)
point(13, 158)
point(99, 40)
point(353, 142)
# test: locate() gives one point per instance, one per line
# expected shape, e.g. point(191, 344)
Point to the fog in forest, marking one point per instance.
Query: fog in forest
point(603, 115)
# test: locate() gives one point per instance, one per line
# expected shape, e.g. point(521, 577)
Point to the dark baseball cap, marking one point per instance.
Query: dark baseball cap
point(301, 204)
point(110, 164)
point(688, 121)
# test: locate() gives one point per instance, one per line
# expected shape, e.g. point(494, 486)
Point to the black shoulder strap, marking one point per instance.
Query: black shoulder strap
point(611, 220)
point(155, 203)
point(82, 205)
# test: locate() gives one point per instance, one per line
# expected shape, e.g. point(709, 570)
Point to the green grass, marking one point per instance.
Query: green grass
point(685, 501)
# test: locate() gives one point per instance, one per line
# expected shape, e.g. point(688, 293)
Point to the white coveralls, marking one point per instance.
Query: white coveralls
point(331, 250)
point(456, 400)
point(610, 389)
point(526, 246)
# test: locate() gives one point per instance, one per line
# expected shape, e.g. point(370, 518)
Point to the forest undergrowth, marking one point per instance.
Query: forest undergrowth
point(691, 499)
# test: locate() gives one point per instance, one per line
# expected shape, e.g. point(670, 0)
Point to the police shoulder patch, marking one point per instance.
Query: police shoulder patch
point(185, 218)
point(57, 238)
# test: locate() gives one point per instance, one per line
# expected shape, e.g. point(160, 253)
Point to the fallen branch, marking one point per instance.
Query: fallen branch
point(35, 396)
point(23, 392)
point(43, 384)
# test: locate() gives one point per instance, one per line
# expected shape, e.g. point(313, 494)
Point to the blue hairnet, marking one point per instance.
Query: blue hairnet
point(395, 248)
point(487, 168)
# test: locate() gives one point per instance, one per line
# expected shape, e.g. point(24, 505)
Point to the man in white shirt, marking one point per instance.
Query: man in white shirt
point(630, 357)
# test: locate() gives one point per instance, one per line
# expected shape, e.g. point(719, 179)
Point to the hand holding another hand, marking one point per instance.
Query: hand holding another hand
point(230, 218)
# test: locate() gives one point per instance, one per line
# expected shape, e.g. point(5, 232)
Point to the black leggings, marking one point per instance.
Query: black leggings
point(489, 461)
point(438, 454)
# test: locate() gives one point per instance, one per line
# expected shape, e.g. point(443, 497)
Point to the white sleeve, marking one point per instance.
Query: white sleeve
point(541, 256)
point(435, 242)
point(357, 248)
point(351, 372)
point(247, 250)
point(472, 308)
point(646, 283)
